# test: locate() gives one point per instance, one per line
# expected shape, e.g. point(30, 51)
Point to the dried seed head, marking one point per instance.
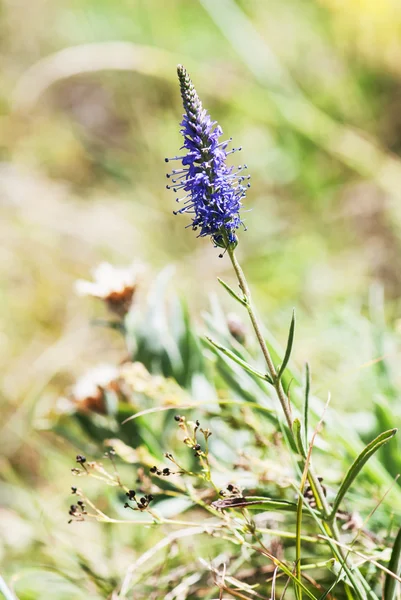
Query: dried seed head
point(116, 286)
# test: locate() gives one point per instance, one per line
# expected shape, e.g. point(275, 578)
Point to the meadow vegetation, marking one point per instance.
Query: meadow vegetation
point(141, 412)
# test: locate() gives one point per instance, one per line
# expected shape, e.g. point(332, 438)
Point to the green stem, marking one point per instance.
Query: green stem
point(298, 547)
point(355, 577)
point(269, 361)
point(284, 400)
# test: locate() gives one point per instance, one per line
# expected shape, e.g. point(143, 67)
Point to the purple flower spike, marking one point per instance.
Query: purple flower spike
point(212, 191)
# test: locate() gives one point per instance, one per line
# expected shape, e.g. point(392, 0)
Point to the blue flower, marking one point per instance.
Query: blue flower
point(212, 190)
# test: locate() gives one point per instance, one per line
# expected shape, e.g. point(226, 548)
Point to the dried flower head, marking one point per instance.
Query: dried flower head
point(212, 191)
point(114, 285)
point(88, 393)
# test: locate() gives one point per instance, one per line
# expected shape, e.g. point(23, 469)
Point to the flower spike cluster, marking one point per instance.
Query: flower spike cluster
point(212, 190)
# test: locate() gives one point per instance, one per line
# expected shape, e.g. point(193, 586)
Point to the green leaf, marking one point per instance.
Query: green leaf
point(296, 427)
point(357, 465)
point(390, 584)
point(255, 503)
point(306, 405)
point(239, 360)
point(289, 346)
point(389, 455)
point(231, 292)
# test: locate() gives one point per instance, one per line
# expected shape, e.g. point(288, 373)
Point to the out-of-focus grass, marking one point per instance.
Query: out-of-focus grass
point(82, 179)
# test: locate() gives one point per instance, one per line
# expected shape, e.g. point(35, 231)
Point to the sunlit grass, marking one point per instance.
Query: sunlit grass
point(82, 181)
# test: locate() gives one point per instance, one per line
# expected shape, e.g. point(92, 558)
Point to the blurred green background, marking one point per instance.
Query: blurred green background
point(89, 108)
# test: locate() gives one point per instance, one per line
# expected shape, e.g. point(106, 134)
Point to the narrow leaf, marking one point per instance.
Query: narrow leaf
point(358, 464)
point(239, 361)
point(306, 405)
point(390, 584)
point(256, 503)
point(289, 346)
point(231, 292)
point(296, 428)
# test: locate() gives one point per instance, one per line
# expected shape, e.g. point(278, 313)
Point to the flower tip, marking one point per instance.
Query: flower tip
point(182, 73)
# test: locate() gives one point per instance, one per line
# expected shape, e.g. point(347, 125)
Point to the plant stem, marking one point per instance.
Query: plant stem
point(354, 576)
point(269, 361)
point(283, 398)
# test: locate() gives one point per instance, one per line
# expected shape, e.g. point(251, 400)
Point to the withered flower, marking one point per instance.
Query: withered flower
point(88, 394)
point(116, 286)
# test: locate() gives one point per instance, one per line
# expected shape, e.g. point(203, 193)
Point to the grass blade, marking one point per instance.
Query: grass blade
point(289, 346)
point(306, 405)
point(296, 427)
point(391, 585)
point(357, 465)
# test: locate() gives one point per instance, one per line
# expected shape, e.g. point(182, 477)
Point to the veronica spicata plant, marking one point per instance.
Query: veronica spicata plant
point(211, 193)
